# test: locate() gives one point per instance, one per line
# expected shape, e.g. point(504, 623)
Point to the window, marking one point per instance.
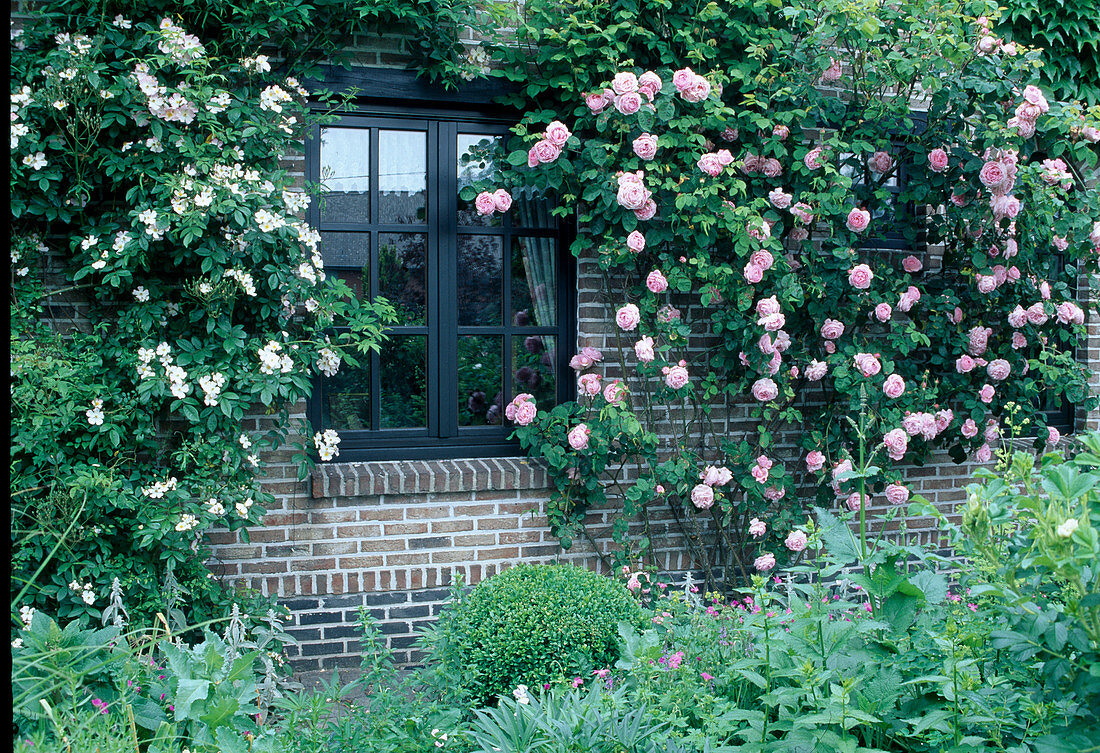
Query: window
point(485, 303)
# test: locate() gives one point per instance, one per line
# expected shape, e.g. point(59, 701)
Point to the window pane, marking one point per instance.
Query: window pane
point(345, 174)
point(534, 282)
point(402, 266)
point(345, 249)
point(480, 279)
point(402, 177)
point(533, 363)
point(531, 208)
point(403, 382)
point(480, 380)
point(475, 163)
point(346, 398)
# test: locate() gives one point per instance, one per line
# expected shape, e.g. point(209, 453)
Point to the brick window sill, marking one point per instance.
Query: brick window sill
point(427, 477)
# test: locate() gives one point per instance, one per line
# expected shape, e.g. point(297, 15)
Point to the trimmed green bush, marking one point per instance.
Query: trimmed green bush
point(534, 623)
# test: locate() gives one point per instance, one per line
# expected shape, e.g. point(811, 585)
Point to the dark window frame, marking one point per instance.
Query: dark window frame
point(442, 438)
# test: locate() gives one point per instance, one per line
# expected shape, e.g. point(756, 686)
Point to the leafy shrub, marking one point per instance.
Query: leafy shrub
point(534, 623)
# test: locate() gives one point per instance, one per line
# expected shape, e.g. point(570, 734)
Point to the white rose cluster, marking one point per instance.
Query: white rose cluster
point(95, 415)
point(84, 591)
point(244, 279)
point(326, 442)
point(272, 359)
point(272, 97)
point(160, 488)
point(214, 507)
point(212, 387)
point(328, 362)
point(177, 44)
point(186, 522)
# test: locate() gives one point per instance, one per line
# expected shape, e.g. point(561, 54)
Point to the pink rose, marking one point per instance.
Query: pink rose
point(757, 528)
point(759, 473)
point(969, 429)
point(753, 274)
point(860, 276)
point(697, 90)
point(710, 165)
point(896, 494)
point(596, 102)
point(812, 160)
point(546, 151)
point(867, 363)
point(1053, 436)
point(858, 220)
point(1018, 341)
point(832, 73)
point(781, 132)
point(795, 541)
point(773, 168)
point(656, 282)
point(635, 241)
point(526, 413)
point(682, 78)
point(648, 210)
point(716, 475)
point(881, 162)
point(484, 203)
point(894, 386)
point(632, 195)
point(643, 349)
point(993, 175)
point(763, 259)
point(775, 493)
point(938, 160)
point(502, 200)
point(856, 500)
point(578, 437)
point(779, 198)
point(724, 157)
point(1036, 314)
point(764, 562)
point(624, 82)
point(765, 390)
point(883, 312)
point(628, 317)
point(896, 442)
point(1070, 313)
point(978, 340)
point(964, 364)
point(1005, 206)
point(588, 384)
point(911, 264)
point(768, 306)
point(986, 393)
point(677, 376)
point(802, 213)
point(816, 370)
point(557, 133)
point(702, 496)
point(815, 461)
point(650, 83)
point(998, 369)
point(628, 103)
point(984, 454)
point(645, 146)
point(832, 329)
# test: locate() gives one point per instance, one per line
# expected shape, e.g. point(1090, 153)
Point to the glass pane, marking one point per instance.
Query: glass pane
point(475, 163)
point(533, 360)
point(480, 380)
point(345, 174)
point(346, 398)
point(403, 365)
point(531, 208)
point(402, 177)
point(345, 249)
point(534, 282)
point(480, 279)
point(402, 267)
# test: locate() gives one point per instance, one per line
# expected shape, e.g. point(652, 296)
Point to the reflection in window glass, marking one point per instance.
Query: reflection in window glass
point(480, 279)
point(402, 177)
point(534, 282)
point(531, 208)
point(402, 263)
point(475, 163)
point(347, 399)
point(345, 174)
point(533, 359)
point(480, 377)
point(403, 382)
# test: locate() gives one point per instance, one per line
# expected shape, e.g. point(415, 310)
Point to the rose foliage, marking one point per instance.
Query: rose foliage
point(806, 215)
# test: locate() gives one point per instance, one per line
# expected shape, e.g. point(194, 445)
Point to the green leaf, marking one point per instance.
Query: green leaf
point(188, 693)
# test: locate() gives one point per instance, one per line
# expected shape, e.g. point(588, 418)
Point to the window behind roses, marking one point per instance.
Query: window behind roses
point(483, 292)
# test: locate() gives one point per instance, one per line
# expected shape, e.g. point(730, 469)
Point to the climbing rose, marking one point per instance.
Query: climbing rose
point(883, 312)
point(867, 363)
point(856, 500)
point(812, 160)
point(1053, 436)
point(557, 133)
point(911, 264)
point(484, 203)
point(614, 392)
point(858, 220)
point(578, 437)
point(816, 370)
point(815, 461)
point(998, 369)
point(969, 429)
point(645, 146)
point(624, 82)
point(628, 317)
point(832, 329)
point(502, 200)
point(984, 454)
point(765, 390)
point(881, 162)
point(635, 241)
point(764, 562)
point(795, 541)
point(656, 282)
point(897, 494)
point(894, 386)
point(643, 349)
point(986, 393)
point(896, 442)
point(779, 198)
point(757, 528)
point(702, 496)
point(860, 277)
point(677, 376)
point(938, 160)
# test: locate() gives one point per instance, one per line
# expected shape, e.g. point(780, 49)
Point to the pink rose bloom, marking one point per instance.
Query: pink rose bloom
point(1018, 341)
point(628, 103)
point(860, 276)
point(768, 306)
point(724, 157)
point(832, 73)
point(832, 329)
point(762, 259)
point(896, 442)
point(757, 528)
point(764, 562)
point(532, 157)
point(779, 198)
point(752, 163)
point(883, 312)
point(526, 413)
point(518, 400)
point(645, 146)
point(1011, 248)
point(781, 132)
point(730, 134)
point(773, 168)
point(911, 264)
point(628, 317)
point(760, 230)
point(812, 160)
point(986, 284)
point(648, 210)
point(546, 151)
point(765, 390)
point(986, 45)
point(964, 364)
point(596, 102)
point(867, 364)
point(650, 83)
point(1005, 206)
point(677, 376)
point(858, 220)
point(588, 384)
point(894, 386)
point(557, 133)
point(702, 496)
point(710, 165)
point(1017, 318)
point(856, 500)
point(1070, 313)
point(484, 203)
point(816, 370)
point(614, 392)
point(1036, 314)
point(775, 493)
point(798, 234)
point(753, 274)
point(969, 429)
point(656, 282)
point(643, 349)
point(896, 494)
point(993, 175)
point(881, 162)
point(985, 394)
point(635, 241)
point(984, 454)
point(632, 194)
point(830, 346)
point(795, 541)
point(760, 474)
point(697, 91)
point(938, 160)
point(502, 200)
point(1053, 436)
point(624, 82)
point(578, 437)
point(772, 322)
point(992, 431)
point(978, 340)
point(716, 475)
point(802, 213)
point(815, 461)
point(765, 344)
point(998, 369)
point(681, 79)
point(943, 419)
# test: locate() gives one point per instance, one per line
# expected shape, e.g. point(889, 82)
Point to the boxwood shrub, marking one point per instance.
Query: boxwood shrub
point(535, 623)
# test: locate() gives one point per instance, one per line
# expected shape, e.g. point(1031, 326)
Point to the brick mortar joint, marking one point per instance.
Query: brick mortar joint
point(458, 475)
